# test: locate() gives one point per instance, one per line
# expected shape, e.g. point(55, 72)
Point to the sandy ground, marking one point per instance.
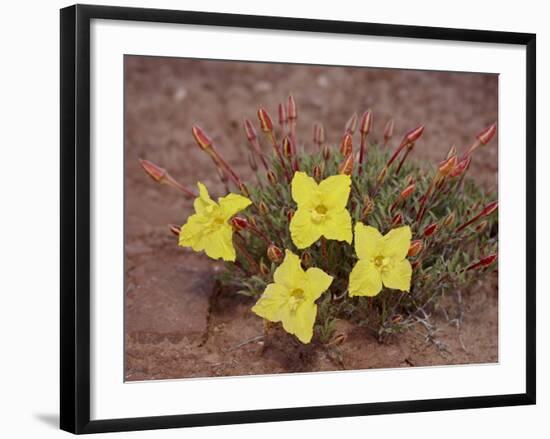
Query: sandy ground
point(177, 323)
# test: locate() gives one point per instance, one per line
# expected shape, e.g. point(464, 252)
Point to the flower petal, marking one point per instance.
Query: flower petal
point(397, 242)
point(271, 306)
point(364, 279)
point(399, 276)
point(233, 203)
point(335, 191)
point(368, 241)
point(318, 282)
point(218, 244)
point(337, 226)
point(304, 189)
point(290, 273)
point(303, 230)
point(203, 200)
point(192, 231)
point(300, 322)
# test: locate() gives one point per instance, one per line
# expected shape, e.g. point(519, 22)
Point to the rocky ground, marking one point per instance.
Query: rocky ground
point(177, 323)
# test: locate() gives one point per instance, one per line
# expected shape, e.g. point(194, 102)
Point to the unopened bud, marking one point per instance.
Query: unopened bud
point(317, 173)
point(239, 223)
point(447, 166)
point(282, 115)
point(291, 108)
point(346, 167)
point(274, 253)
point(461, 167)
point(262, 207)
point(489, 209)
point(413, 135)
point(326, 152)
point(346, 145)
point(201, 138)
point(452, 152)
point(265, 120)
point(321, 133)
point(244, 190)
point(306, 259)
point(250, 131)
point(264, 269)
point(487, 134)
point(174, 229)
point(388, 130)
point(481, 226)
point(287, 147)
point(483, 263)
point(449, 220)
point(416, 265)
point(415, 248)
point(252, 162)
point(397, 220)
point(289, 214)
point(366, 123)
point(272, 177)
point(430, 230)
point(351, 124)
point(316, 133)
point(407, 192)
point(155, 172)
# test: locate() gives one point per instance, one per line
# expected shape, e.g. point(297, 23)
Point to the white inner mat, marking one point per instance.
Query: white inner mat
point(112, 398)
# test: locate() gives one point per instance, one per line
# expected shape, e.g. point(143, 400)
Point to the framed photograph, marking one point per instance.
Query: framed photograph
point(268, 218)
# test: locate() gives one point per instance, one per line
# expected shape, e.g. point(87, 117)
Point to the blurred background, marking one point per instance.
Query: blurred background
point(173, 328)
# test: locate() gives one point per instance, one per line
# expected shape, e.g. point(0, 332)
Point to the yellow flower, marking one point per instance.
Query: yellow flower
point(291, 299)
point(208, 229)
point(381, 261)
point(321, 209)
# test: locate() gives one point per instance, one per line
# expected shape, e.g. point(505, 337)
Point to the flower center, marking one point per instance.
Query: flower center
point(297, 296)
point(319, 213)
point(381, 262)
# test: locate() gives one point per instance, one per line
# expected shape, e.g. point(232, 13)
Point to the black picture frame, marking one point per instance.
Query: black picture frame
point(75, 217)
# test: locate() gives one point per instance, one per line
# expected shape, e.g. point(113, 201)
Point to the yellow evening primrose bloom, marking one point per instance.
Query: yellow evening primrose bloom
point(291, 299)
point(381, 261)
point(321, 209)
point(208, 229)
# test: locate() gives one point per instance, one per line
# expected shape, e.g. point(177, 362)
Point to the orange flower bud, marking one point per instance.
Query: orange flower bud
point(346, 167)
point(388, 131)
point(250, 131)
point(487, 134)
point(287, 146)
point(155, 172)
point(489, 209)
point(262, 207)
point(366, 123)
point(306, 259)
point(272, 177)
point(174, 229)
point(321, 133)
point(351, 124)
point(346, 145)
point(326, 152)
point(447, 166)
point(244, 190)
point(461, 167)
point(408, 191)
point(265, 121)
point(397, 220)
point(415, 248)
point(264, 269)
point(282, 115)
point(449, 220)
point(317, 173)
point(274, 253)
point(431, 229)
point(484, 262)
point(239, 223)
point(204, 142)
point(291, 108)
point(316, 133)
point(413, 135)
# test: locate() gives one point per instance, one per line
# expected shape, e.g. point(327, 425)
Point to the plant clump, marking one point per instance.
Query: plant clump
point(353, 231)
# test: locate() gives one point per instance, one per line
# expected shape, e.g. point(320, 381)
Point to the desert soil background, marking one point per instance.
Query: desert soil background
point(176, 325)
